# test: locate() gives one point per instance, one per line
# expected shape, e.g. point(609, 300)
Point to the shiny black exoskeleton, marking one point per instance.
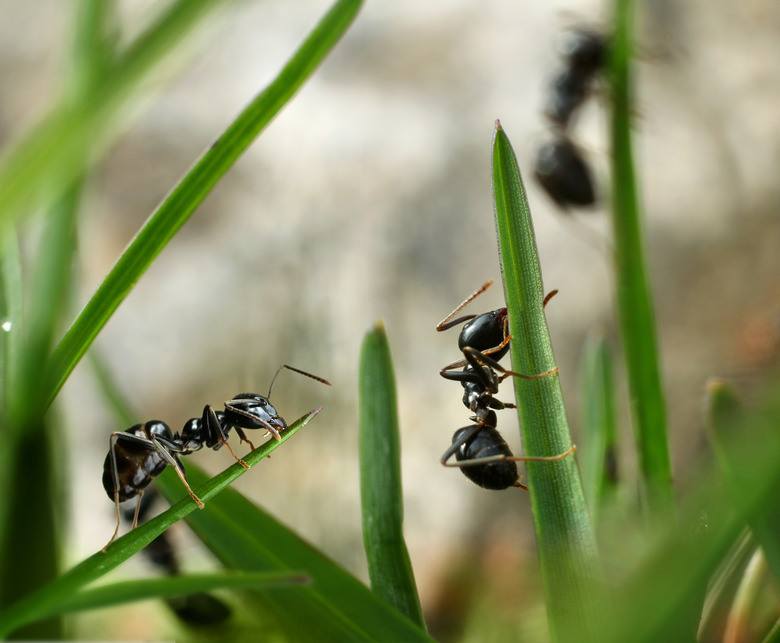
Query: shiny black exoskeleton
point(142, 452)
point(563, 172)
point(479, 449)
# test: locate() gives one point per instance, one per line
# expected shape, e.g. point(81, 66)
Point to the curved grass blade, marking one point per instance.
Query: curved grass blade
point(33, 606)
point(389, 567)
point(565, 539)
point(174, 212)
point(635, 306)
point(336, 607)
point(154, 588)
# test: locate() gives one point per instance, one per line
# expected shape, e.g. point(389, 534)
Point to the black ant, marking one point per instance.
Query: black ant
point(584, 53)
point(559, 165)
point(563, 172)
point(142, 452)
point(482, 453)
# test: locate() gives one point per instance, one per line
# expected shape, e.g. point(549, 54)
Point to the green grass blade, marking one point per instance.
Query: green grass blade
point(724, 411)
point(598, 454)
point(336, 607)
point(154, 588)
point(773, 636)
point(33, 606)
point(634, 299)
point(166, 221)
point(389, 567)
point(665, 593)
point(565, 538)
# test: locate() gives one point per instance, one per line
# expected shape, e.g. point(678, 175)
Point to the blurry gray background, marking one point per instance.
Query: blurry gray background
point(370, 197)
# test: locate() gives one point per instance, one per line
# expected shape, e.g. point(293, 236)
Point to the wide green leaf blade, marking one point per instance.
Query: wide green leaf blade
point(336, 607)
point(565, 539)
point(174, 212)
point(389, 566)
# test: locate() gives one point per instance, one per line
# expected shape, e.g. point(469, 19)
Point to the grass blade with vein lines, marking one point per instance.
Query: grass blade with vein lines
point(565, 539)
point(160, 228)
point(389, 567)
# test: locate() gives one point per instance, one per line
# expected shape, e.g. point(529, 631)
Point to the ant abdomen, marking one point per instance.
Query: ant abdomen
point(486, 443)
point(136, 464)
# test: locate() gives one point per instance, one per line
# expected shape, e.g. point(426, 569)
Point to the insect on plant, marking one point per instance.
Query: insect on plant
point(480, 450)
point(141, 453)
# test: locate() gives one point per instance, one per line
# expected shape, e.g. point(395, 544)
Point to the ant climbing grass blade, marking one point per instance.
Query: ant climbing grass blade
point(565, 537)
point(174, 212)
point(389, 566)
point(335, 607)
point(34, 606)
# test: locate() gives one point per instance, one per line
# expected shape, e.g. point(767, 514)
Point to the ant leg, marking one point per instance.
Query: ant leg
point(300, 372)
point(242, 437)
point(166, 451)
point(549, 296)
point(477, 359)
point(137, 509)
point(445, 323)
point(518, 458)
point(115, 476)
point(468, 435)
point(214, 427)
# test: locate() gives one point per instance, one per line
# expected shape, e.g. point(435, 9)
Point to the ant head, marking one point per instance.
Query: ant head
point(484, 332)
point(254, 411)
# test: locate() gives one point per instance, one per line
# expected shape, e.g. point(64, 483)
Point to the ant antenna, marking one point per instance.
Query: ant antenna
point(443, 325)
point(297, 370)
point(549, 296)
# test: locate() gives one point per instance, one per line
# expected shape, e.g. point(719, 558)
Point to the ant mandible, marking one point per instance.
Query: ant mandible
point(481, 452)
point(141, 453)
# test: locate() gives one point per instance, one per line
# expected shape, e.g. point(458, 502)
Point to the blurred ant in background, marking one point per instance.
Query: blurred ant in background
point(141, 453)
point(559, 165)
point(480, 450)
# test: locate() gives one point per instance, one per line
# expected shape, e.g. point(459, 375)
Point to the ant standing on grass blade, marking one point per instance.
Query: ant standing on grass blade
point(480, 450)
point(141, 453)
